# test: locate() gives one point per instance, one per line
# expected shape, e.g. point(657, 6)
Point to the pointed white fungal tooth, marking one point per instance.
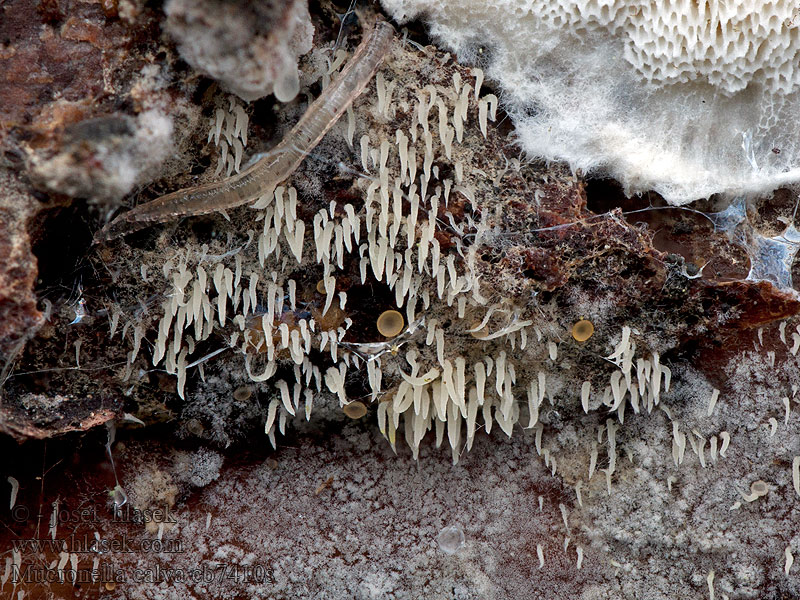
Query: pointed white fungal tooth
point(533, 405)
point(701, 452)
point(480, 381)
point(585, 390)
point(726, 440)
point(351, 126)
point(483, 111)
point(712, 402)
point(678, 444)
point(773, 426)
point(667, 373)
point(796, 474)
point(491, 100)
point(421, 380)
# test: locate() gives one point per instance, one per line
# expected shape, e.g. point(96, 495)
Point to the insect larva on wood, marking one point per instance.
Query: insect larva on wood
point(262, 177)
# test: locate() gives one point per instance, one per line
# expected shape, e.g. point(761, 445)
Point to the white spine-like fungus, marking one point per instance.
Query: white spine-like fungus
point(419, 243)
point(710, 582)
point(712, 402)
point(726, 440)
point(14, 489)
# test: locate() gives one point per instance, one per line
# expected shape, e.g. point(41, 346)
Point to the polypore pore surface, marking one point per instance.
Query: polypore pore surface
point(684, 98)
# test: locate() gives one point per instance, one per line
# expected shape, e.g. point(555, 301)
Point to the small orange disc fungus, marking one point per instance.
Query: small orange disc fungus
point(582, 330)
point(242, 393)
point(480, 333)
point(355, 410)
point(390, 323)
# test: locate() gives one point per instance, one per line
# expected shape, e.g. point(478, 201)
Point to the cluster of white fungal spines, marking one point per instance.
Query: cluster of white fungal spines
point(228, 132)
point(393, 237)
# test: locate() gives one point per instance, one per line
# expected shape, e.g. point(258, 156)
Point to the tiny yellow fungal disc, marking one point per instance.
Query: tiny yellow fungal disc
point(480, 334)
point(331, 319)
point(242, 393)
point(355, 410)
point(390, 323)
point(582, 330)
point(321, 286)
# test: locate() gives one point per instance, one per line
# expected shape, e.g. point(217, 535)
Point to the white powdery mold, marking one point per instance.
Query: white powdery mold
point(687, 99)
